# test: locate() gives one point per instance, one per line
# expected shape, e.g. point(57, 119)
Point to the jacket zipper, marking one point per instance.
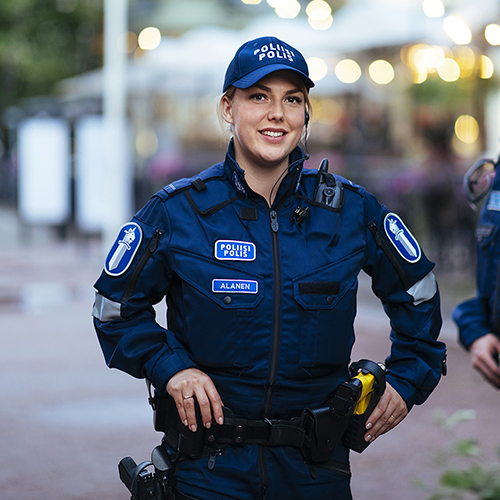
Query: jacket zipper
point(382, 243)
point(151, 248)
point(275, 339)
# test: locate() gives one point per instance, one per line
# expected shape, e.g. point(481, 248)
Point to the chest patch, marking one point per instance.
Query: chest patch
point(400, 236)
point(235, 250)
point(234, 286)
point(494, 201)
point(124, 249)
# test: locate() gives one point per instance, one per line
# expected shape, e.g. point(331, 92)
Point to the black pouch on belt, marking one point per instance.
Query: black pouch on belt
point(323, 430)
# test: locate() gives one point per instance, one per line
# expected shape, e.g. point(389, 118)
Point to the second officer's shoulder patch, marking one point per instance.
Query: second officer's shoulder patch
point(124, 249)
point(400, 236)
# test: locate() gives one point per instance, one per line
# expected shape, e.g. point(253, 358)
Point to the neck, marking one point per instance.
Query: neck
point(265, 180)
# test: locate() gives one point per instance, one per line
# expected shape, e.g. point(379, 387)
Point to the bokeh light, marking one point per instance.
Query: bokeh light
point(487, 67)
point(319, 15)
point(146, 143)
point(467, 129)
point(457, 30)
point(149, 38)
point(492, 34)
point(449, 70)
point(288, 9)
point(317, 68)
point(348, 71)
point(381, 72)
point(251, 2)
point(433, 8)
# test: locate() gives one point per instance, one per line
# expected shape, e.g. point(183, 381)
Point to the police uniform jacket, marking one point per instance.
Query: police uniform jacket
point(263, 302)
point(481, 315)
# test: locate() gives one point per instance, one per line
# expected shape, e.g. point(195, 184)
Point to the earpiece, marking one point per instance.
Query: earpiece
point(306, 120)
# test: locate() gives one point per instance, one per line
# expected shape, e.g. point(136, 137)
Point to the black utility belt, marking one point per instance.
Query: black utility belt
point(316, 432)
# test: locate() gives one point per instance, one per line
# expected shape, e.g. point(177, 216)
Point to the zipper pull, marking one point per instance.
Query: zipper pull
point(153, 244)
point(274, 221)
point(211, 459)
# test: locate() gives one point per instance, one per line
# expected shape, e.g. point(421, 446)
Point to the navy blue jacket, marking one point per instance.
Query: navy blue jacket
point(260, 302)
point(481, 315)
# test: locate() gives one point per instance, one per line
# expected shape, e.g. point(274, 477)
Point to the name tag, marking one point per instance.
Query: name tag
point(234, 286)
point(235, 250)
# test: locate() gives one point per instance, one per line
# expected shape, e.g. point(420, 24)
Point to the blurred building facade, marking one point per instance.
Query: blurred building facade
point(405, 100)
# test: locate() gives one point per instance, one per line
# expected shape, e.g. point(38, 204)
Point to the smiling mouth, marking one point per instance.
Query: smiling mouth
point(272, 134)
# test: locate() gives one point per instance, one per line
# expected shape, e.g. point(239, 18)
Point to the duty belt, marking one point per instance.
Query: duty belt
point(236, 432)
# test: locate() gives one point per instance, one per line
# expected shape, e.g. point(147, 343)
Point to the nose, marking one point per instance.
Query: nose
point(276, 111)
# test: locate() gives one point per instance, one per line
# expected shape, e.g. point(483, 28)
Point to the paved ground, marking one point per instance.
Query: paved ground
point(66, 420)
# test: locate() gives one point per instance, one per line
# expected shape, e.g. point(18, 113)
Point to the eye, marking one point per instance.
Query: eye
point(258, 97)
point(295, 99)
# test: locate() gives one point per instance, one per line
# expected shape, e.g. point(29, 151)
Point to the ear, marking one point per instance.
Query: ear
point(227, 110)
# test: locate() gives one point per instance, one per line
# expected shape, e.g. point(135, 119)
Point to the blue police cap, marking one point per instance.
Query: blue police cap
point(257, 58)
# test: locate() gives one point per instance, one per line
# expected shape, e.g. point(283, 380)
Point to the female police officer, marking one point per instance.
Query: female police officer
point(260, 282)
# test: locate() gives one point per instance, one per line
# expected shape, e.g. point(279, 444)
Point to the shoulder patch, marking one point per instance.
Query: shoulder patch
point(123, 251)
point(399, 235)
point(494, 201)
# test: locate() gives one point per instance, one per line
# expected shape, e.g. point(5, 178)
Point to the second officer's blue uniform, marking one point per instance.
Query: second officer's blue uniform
point(265, 305)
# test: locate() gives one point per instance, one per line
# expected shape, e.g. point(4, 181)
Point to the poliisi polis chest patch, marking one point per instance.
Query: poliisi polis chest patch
point(235, 250)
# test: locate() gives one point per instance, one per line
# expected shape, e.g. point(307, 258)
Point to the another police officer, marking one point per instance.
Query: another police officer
point(478, 319)
point(260, 275)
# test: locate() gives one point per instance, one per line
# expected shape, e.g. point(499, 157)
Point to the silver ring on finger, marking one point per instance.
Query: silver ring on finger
point(188, 397)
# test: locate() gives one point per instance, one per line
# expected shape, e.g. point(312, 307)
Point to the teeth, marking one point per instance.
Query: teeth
point(273, 134)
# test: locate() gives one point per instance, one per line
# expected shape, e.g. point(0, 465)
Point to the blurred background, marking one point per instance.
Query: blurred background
point(103, 102)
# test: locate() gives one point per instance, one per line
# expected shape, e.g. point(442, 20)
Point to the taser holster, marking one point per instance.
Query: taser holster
point(345, 417)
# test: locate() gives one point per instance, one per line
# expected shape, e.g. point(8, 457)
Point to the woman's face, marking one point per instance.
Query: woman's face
point(268, 120)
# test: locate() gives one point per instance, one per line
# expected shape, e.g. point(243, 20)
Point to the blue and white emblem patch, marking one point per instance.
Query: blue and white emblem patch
point(238, 184)
point(400, 236)
point(494, 201)
point(235, 250)
point(234, 286)
point(124, 249)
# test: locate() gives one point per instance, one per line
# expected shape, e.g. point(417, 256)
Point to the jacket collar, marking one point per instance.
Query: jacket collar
point(290, 182)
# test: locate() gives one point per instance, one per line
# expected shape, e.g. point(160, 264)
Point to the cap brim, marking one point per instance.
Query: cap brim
point(253, 77)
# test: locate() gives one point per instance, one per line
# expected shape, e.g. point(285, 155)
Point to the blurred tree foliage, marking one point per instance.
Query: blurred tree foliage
point(44, 41)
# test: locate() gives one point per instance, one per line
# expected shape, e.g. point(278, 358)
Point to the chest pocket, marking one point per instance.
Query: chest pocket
point(327, 299)
point(218, 308)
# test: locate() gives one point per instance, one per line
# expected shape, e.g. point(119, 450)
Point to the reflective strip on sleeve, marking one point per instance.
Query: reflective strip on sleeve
point(424, 289)
point(105, 309)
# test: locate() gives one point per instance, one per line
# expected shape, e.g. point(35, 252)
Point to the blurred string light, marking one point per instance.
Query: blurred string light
point(461, 62)
point(348, 71)
point(149, 38)
point(319, 15)
point(467, 129)
point(433, 8)
point(449, 70)
point(457, 30)
point(487, 67)
point(381, 72)
point(251, 2)
point(286, 9)
point(317, 68)
point(492, 34)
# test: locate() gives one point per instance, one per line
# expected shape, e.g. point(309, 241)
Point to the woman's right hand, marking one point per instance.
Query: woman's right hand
point(193, 382)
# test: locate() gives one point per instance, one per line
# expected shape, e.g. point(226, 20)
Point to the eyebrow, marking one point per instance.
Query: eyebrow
point(268, 89)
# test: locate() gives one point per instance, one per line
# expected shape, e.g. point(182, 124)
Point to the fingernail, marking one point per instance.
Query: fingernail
point(221, 420)
point(185, 422)
point(369, 425)
point(208, 425)
point(193, 428)
point(368, 439)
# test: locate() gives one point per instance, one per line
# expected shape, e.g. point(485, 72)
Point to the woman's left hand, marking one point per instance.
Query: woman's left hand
point(390, 411)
